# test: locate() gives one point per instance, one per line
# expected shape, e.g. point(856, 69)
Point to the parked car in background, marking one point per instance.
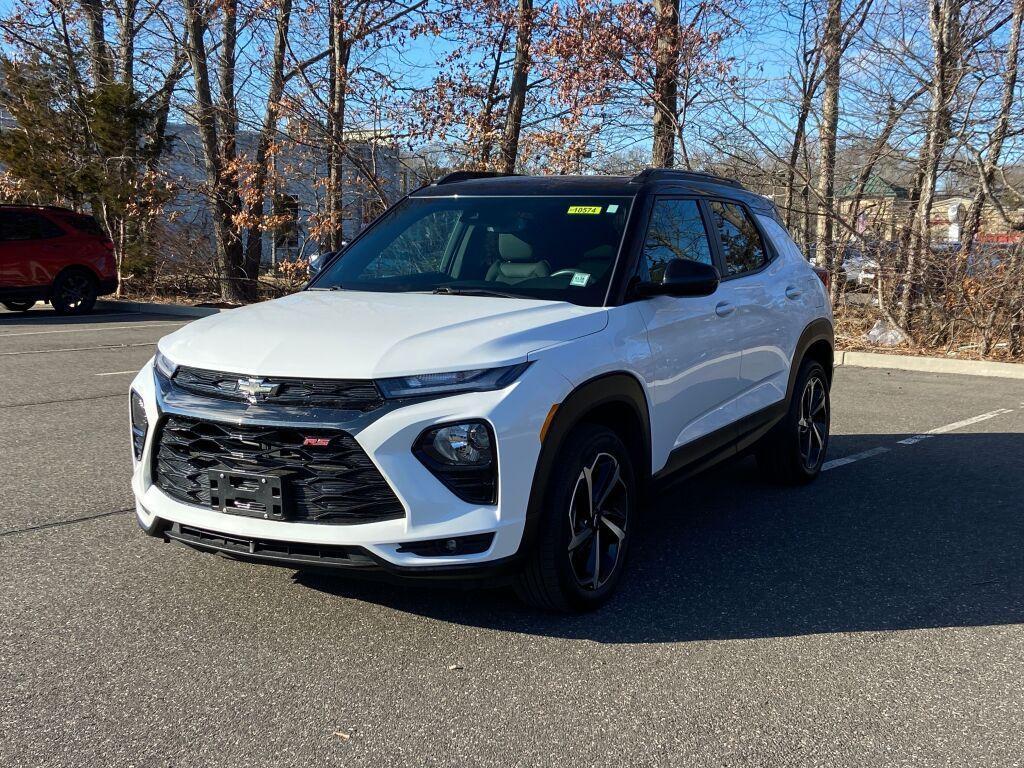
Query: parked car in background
point(56, 255)
point(859, 269)
point(487, 382)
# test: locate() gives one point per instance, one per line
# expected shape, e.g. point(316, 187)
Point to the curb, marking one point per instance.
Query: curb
point(141, 307)
point(931, 364)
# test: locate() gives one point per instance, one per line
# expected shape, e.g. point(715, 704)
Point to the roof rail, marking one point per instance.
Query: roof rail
point(675, 174)
point(454, 176)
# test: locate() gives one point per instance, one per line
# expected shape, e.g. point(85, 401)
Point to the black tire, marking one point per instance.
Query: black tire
point(74, 292)
point(19, 306)
point(554, 578)
point(793, 452)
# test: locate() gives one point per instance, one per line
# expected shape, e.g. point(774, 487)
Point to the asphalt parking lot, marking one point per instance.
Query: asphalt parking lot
point(874, 618)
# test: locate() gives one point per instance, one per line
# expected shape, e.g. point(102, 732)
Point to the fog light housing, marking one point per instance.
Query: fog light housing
point(140, 424)
point(462, 456)
point(474, 544)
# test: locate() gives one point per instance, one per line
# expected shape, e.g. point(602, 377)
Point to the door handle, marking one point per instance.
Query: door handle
point(724, 309)
point(792, 292)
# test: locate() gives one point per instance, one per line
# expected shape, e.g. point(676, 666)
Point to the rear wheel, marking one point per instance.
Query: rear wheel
point(794, 451)
point(19, 306)
point(74, 292)
point(585, 527)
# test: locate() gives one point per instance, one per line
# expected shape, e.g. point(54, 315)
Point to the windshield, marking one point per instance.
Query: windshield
point(556, 248)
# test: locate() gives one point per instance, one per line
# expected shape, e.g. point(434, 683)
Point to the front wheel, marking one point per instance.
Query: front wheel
point(794, 451)
point(585, 526)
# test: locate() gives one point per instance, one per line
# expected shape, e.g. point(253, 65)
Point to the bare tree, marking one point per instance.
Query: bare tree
point(517, 87)
point(666, 82)
point(217, 136)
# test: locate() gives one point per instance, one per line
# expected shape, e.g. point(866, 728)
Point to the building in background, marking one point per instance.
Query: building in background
point(296, 193)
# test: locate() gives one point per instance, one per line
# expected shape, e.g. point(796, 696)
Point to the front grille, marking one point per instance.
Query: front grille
point(345, 394)
point(334, 483)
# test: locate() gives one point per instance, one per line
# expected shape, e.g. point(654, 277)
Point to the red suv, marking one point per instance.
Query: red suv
point(53, 254)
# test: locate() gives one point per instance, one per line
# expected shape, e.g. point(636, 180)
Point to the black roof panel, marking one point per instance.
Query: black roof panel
point(533, 185)
point(665, 181)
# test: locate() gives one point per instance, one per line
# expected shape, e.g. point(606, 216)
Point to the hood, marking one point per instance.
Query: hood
point(360, 335)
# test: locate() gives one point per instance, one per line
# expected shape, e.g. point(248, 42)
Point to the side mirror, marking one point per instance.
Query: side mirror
point(683, 278)
point(320, 260)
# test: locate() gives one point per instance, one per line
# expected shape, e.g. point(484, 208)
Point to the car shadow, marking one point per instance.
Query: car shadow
point(47, 316)
point(927, 535)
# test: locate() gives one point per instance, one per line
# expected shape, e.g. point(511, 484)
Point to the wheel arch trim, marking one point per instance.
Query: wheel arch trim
point(616, 388)
point(815, 332)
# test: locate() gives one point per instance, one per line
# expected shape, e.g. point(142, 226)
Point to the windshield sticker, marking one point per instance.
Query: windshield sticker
point(612, 208)
point(589, 210)
point(580, 279)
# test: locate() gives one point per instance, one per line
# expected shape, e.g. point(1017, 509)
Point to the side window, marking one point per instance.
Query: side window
point(16, 225)
point(676, 231)
point(6, 219)
point(420, 248)
point(742, 249)
point(44, 228)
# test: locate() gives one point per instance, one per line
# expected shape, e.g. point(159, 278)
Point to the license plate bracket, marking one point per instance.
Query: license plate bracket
point(247, 494)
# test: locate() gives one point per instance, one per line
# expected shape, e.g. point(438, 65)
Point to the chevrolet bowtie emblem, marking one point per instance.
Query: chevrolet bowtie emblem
point(256, 389)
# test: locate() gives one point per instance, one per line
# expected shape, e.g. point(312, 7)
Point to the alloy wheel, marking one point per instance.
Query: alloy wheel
point(598, 519)
point(75, 290)
point(812, 429)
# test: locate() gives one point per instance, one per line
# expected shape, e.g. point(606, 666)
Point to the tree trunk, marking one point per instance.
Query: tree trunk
point(811, 58)
point(666, 83)
point(794, 154)
point(127, 50)
point(989, 164)
point(99, 52)
point(944, 24)
point(517, 88)
point(831, 54)
point(223, 193)
point(254, 242)
point(341, 50)
point(491, 98)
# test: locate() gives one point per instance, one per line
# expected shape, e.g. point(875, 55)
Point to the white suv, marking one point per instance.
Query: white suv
point(487, 382)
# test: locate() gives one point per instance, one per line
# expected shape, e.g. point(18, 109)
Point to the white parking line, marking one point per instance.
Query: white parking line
point(116, 373)
point(155, 324)
point(105, 347)
point(850, 459)
point(954, 426)
point(915, 438)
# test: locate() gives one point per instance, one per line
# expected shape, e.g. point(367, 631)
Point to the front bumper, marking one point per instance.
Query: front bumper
point(350, 559)
point(432, 511)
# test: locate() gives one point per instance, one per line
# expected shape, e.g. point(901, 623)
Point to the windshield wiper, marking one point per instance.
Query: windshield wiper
point(326, 288)
point(448, 291)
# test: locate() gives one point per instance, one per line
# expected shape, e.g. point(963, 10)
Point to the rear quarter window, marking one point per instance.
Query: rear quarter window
point(742, 249)
point(85, 224)
point(780, 238)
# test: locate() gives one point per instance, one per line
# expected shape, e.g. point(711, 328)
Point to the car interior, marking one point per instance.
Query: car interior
point(553, 248)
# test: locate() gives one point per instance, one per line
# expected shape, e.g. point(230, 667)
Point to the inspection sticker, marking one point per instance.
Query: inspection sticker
point(580, 279)
point(584, 209)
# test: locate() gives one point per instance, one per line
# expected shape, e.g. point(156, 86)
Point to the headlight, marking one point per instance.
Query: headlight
point(466, 444)
point(140, 423)
point(479, 380)
point(164, 366)
point(462, 457)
